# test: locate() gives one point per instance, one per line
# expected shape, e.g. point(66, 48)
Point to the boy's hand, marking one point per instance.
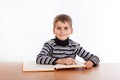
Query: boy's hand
point(66, 61)
point(89, 64)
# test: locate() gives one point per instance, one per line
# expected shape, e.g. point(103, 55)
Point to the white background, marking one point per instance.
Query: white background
point(26, 24)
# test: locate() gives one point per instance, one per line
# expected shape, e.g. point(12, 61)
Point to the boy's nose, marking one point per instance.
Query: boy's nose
point(62, 31)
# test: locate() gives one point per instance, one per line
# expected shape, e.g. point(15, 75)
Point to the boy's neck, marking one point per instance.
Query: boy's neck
point(60, 42)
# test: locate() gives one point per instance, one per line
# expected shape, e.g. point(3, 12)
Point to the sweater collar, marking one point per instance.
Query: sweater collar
point(60, 42)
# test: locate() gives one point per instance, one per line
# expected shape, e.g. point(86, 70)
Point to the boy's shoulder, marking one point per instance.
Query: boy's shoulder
point(73, 43)
point(50, 42)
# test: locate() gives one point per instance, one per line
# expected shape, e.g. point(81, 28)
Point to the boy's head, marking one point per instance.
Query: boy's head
point(62, 18)
point(62, 26)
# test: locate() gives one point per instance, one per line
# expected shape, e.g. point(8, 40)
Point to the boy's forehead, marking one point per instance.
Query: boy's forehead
point(61, 22)
point(64, 22)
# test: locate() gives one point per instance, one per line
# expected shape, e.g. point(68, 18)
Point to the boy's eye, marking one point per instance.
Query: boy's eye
point(66, 28)
point(58, 28)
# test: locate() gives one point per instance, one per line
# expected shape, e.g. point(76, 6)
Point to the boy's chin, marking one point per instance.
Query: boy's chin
point(62, 39)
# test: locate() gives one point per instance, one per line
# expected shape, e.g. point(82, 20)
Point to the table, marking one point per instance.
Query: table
point(105, 71)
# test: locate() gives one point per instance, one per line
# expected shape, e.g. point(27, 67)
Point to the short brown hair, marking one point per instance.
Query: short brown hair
point(63, 18)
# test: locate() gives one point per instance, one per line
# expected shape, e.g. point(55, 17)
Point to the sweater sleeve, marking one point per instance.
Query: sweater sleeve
point(87, 55)
point(44, 57)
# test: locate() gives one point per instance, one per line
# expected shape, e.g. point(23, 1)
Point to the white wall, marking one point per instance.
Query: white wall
point(26, 24)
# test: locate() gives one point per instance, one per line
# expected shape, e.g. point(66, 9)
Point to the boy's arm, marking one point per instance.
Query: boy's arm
point(44, 56)
point(88, 56)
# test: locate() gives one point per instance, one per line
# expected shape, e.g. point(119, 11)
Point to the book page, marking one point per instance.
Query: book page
point(32, 66)
point(78, 65)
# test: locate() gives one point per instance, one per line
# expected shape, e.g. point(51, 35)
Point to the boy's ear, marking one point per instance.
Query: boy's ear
point(53, 31)
point(71, 30)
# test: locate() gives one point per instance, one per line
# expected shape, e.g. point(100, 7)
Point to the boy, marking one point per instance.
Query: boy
point(61, 49)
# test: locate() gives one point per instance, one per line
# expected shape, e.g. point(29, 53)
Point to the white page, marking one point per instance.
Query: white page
point(32, 66)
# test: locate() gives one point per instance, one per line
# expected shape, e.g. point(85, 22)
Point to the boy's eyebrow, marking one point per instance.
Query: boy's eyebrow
point(58, 26)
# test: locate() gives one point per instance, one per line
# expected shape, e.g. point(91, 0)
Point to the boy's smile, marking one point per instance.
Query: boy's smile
point(62, 30)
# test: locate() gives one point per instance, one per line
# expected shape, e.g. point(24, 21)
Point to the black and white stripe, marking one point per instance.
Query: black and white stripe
point(51, 51)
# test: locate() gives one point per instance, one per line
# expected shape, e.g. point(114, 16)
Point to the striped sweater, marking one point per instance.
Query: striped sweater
point(51, 52)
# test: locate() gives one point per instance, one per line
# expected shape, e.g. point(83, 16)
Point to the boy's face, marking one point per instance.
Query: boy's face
point(62, 30)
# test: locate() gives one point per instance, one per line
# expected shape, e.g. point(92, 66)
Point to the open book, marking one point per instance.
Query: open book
point(32, 66)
